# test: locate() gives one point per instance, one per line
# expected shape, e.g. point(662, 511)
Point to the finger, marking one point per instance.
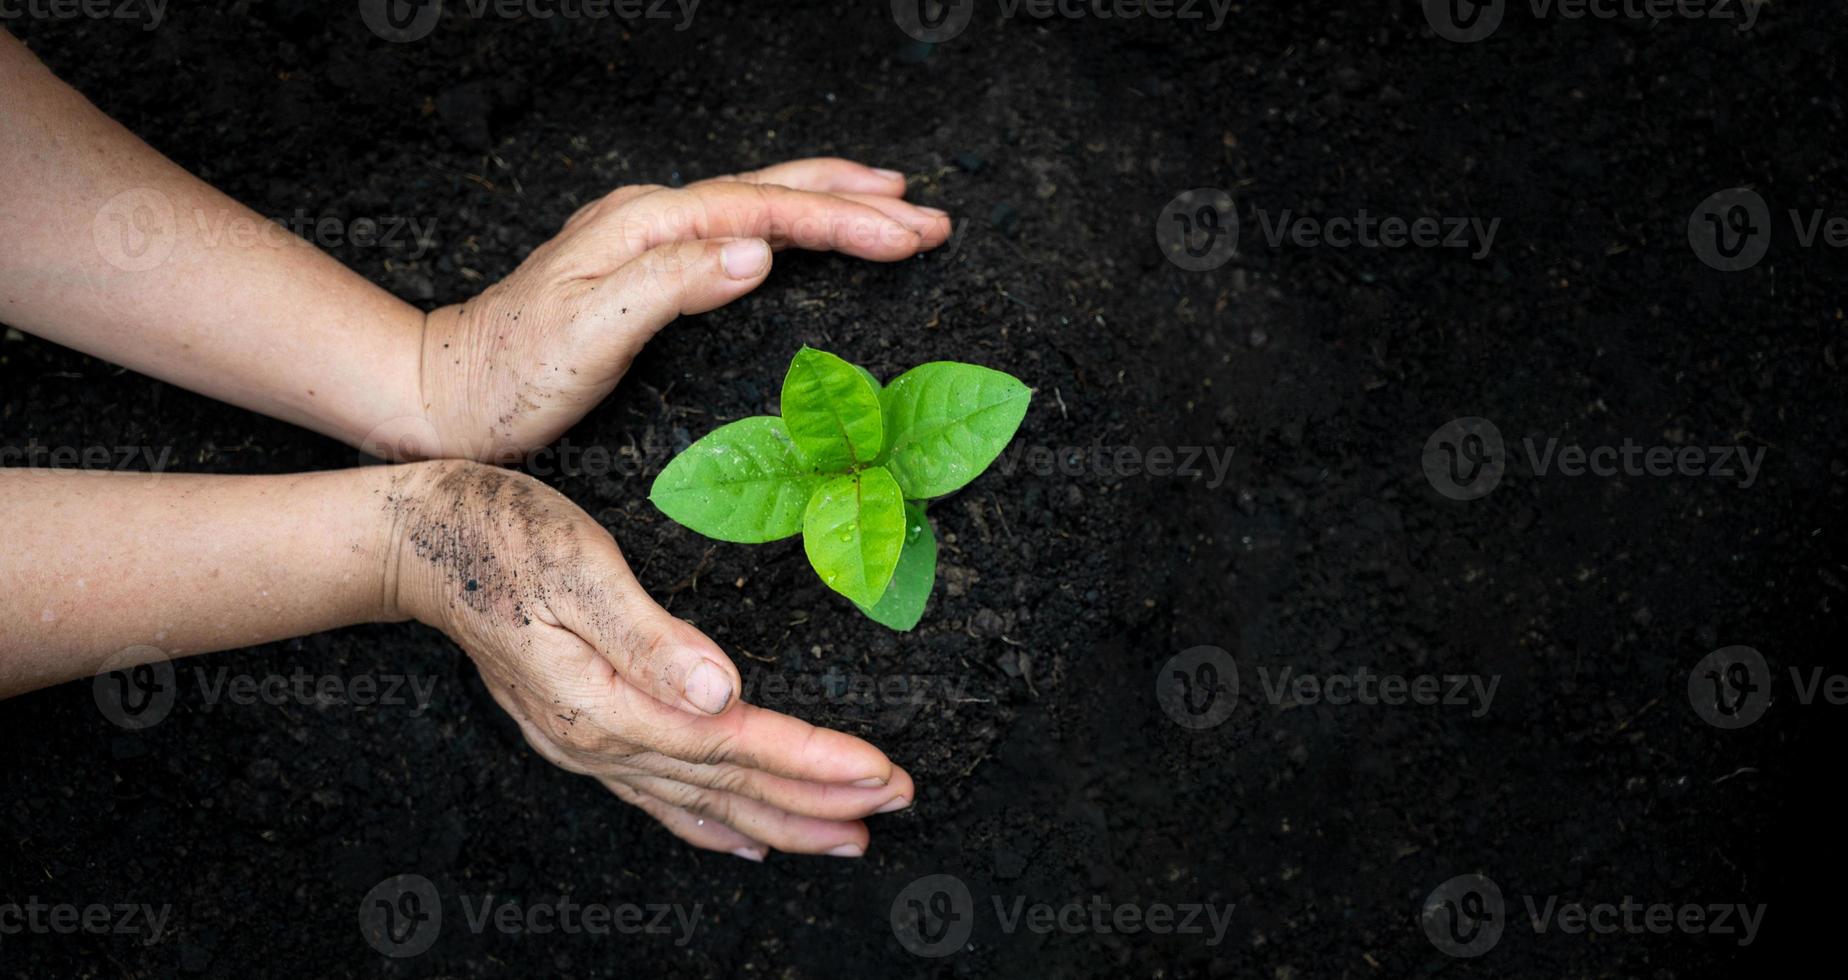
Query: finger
point(696, 830)
point(780, 829)
point(931, 224)
point(650, 291)
point(828, 175)
point(779, 215)
point(754, 738)
point(652, 651)
point(829, 801)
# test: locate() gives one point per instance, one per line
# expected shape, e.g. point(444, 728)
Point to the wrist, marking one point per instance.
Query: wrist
point(400, 425)
point(448, 386)
point(415, 512)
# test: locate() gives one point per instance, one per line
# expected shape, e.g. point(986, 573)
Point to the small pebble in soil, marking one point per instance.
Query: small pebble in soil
point(1006, 218)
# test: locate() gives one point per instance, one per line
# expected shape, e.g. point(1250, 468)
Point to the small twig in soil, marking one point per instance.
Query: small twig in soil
point(1742, 770)
point(1640, 712)
point(692, 581)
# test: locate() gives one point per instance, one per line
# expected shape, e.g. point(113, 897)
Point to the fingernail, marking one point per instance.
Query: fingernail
point(895, 803)
point(708, 688)
point(869, 782)
point(934, 212)
point(750, 854)
point(888, 174)
point(847, 851)
point(745, 258)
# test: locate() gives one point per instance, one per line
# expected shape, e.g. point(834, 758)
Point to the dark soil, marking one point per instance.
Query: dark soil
point(1046, 767)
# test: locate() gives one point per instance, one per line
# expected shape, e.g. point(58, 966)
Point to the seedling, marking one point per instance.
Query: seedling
point(848, 466)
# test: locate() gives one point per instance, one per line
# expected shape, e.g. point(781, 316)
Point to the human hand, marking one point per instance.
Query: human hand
point(512, 369)
point(605, 682)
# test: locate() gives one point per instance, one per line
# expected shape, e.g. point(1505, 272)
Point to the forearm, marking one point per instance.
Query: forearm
point(95, 563)
point(108, 247)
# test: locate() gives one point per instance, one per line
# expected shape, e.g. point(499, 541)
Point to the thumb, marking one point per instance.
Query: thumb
point(629, 306)
point(652, 650)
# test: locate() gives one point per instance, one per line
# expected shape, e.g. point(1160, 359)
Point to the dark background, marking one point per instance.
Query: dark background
point(1055, 143)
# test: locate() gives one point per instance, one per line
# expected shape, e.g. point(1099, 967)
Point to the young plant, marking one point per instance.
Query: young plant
point(848, 466)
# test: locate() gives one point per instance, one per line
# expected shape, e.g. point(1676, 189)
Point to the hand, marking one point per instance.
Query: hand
point(605, 682)
point(512, 369)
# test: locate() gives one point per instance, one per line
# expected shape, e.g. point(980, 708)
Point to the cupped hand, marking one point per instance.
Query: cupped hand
point(605, 682)
point(512, 369)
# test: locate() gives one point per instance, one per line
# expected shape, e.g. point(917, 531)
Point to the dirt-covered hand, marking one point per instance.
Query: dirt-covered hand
point(605, 682)
point(513, 368)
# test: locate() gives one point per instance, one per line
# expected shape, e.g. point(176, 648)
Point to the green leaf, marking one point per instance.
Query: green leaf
point(903, 603)
point(745, 482)
point(853, 531)
point(945, 422)
point(832, 410)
